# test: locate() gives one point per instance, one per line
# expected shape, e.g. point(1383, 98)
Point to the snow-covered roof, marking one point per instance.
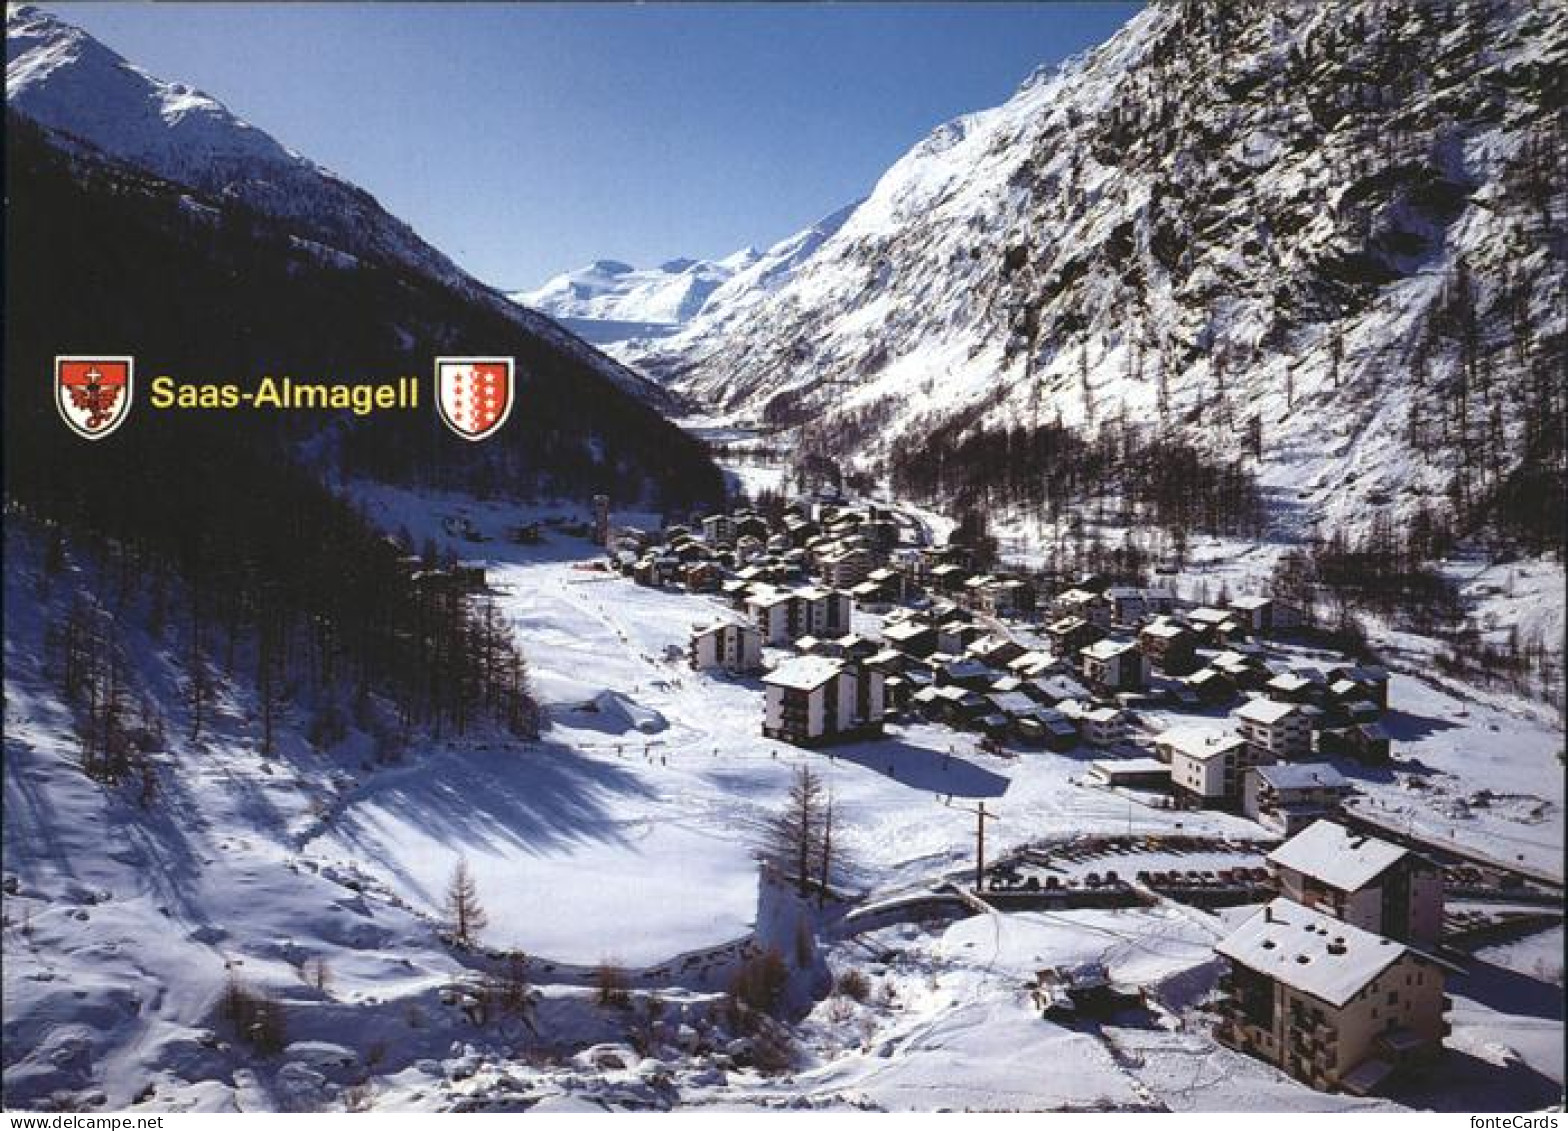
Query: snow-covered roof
point(1166, 629)
point(807, 673)
point(769, 599)
point(1206, 615)
point(1108, 649)
point(1200, 742)
point(1079, 597)
point(1302, 775)
point(1114, 766)
point(1336, 856)
point(1265, 711)
point(1013, 703)
point(1289, 681)
point(904, 630)
point(721, 622)
point(1248, 604)
point(1061, 687)
point(1309, 951)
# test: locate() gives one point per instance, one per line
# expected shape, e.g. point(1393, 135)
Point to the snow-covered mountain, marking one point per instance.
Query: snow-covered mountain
point(66, 81)
point(1330, 235)
point(755, 276)
point(654, 317)
point(609, 301)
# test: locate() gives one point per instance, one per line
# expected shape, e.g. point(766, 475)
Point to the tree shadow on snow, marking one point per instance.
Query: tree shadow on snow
point(539, 799)
point(921, 768)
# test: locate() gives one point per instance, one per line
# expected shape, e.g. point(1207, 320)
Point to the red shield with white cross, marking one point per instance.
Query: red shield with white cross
point(93, 394)
point(474, 394)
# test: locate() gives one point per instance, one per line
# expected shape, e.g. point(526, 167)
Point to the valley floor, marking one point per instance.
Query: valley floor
point(626, 834)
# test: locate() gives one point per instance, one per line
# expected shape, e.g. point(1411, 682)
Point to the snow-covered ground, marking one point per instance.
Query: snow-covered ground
point(626, 833)
point(667, 816)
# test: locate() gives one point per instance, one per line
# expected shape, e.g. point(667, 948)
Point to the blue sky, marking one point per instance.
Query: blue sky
point(528, 139)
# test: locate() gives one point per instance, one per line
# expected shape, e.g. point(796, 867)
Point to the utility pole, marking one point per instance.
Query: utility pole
point(981, 817)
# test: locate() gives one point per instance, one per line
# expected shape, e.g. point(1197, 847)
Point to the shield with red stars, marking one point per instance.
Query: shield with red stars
point(474, 394)
point(93, 394)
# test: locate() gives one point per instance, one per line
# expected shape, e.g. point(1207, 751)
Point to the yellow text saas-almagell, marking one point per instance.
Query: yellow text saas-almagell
point(287, 393)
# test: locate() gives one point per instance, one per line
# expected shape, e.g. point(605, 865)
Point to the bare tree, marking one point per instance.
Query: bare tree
point(798, 841)
point(463, 910)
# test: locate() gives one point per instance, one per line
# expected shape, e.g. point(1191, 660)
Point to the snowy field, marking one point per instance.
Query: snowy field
point(664, 819)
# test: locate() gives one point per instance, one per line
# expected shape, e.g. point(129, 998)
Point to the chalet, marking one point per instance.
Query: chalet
point(1092, 608)
point(1371, 678)
point(1102, 726)
point(957, 706)
point(1110, 666)
point(1287, 797)
point(994, 650)
point(911, 637)
point(1006, 597)
point(1170, 647)
point(1282, 730)
point(1050, 727)
point(1207, 765)
point(1055, 689)
point(1366, 742)
point(1212, 685)
point(1070, 634)
point(1244, 667)
point(1213, 626)
point(1306, 686)
point(1362, 880)
point(700, 577)
point(729, 646)
point(1333, 1005)
point(814, 700)
point(1265, 614)
point(965, 672)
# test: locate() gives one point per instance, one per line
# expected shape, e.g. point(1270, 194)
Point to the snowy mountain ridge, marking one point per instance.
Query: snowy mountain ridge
point(1329, 233)
point(66, 81)
point(608, 301)
point(642, 315)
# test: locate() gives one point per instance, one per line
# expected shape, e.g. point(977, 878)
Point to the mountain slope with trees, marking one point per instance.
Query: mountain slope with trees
point(1323, 242)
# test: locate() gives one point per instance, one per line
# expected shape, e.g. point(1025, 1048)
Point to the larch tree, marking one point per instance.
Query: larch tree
point(463, 909)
